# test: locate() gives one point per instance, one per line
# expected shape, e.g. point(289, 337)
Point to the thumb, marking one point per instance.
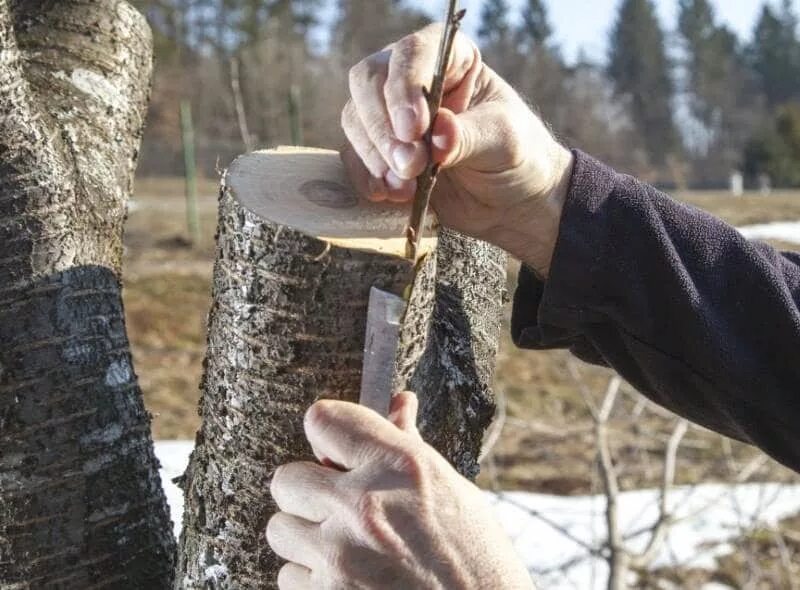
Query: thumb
point(403, 411)
point(479, 138)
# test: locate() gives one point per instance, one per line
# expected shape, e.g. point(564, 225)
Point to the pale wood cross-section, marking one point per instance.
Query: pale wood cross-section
point(307, 189)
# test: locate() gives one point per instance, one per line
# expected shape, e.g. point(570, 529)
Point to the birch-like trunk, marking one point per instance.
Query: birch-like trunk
point(287, 328)
point(81, 505)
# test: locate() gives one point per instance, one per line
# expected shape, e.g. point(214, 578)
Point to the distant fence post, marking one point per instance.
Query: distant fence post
point(295, 112)
point(190, 164)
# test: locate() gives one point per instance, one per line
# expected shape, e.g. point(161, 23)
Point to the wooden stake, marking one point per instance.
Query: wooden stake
point(187, 129)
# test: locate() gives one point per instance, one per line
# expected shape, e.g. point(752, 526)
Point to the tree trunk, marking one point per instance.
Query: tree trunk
point(287, 328)
point(81, 504)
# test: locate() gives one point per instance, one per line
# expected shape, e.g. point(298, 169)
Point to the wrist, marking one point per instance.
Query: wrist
point(531, 228)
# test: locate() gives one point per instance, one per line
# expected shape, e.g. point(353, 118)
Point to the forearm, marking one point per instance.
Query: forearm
point(692, 314)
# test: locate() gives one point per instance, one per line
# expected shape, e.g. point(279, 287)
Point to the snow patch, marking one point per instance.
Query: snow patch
point(119, 373)
point(785, 231)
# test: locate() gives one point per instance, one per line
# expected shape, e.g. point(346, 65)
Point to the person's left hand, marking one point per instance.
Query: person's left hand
point(384, 510)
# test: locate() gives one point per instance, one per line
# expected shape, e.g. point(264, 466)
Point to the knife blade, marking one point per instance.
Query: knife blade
point(384, 320)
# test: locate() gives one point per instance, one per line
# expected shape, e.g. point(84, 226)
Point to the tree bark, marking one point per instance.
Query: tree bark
point(81, 504)
point(287, 328)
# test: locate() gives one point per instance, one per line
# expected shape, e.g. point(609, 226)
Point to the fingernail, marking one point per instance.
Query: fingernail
point(405, 123)
point(439, 141)
point(403, 156)
point(394, 182)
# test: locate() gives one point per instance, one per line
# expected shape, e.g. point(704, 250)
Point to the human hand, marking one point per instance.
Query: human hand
point(505, 177)
point(384, 511)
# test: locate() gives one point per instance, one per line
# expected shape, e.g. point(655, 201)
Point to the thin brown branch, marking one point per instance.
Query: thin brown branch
point(583, 390)
point(427, 180)
point(238, 102)
point(658, 533)
point(595, 551)
point(497, 427)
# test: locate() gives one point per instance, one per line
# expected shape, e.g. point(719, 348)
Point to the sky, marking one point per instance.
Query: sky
point(586, 23)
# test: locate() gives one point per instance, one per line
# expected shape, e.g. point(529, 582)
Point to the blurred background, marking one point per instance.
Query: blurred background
point(699, 97)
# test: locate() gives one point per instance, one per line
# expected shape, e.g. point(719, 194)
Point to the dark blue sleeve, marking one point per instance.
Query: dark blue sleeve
point(696, 317)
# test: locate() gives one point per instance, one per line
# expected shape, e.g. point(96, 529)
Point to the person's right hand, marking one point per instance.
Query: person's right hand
point(505, 177)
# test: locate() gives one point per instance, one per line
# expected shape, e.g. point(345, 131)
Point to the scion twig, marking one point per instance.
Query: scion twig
point(427, 180)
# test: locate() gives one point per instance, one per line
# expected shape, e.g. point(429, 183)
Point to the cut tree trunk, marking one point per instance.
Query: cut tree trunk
point(81, 504)
point(287, 328)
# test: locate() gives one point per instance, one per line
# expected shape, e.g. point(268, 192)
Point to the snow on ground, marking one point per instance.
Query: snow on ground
point(785, 231)
point(551, 533)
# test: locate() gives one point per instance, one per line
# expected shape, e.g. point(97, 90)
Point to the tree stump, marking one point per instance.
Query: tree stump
point(297, 255)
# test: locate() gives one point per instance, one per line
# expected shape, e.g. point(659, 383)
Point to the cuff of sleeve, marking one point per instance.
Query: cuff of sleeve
point(550, 314)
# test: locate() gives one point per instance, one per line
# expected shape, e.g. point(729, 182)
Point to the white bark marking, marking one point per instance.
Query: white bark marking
point(119, 373)
point(97, 86)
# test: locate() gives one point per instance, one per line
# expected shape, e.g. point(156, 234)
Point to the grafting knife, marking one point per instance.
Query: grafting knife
point(384, 319)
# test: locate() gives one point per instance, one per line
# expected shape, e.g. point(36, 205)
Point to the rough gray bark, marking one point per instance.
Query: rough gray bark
point(81, 505)
point(286, 329)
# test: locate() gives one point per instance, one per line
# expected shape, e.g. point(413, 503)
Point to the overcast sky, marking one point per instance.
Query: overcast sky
point(586, 23)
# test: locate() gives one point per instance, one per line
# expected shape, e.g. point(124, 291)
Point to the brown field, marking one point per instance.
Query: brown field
point(546, 442)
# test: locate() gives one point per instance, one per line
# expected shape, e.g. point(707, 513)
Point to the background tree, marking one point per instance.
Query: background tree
point(81, 504)
point(496, 39)
point(775, 54)
point(640, 70)
point(540, 71)
point(535, 29)
point(366, 26)
point(775, 151)
point(720, 90)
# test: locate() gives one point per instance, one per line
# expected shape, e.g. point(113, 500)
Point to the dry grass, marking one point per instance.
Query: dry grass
point(750, 209)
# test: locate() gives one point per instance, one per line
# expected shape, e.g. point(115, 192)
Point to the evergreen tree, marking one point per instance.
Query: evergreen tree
point(541, 74)
point(640, 70)
point(713, 69)
point(535, 30)
point(366, 26)
point(496, 38)
point(720, 92)
point(776, 150)
point(495, 27)
point(775, 54)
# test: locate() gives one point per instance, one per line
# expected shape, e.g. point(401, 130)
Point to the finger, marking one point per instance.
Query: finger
point(361, 142)
point(367, 81)
point(294, 577)
point(369, 186)
point(305, 490)
point(411, 67)
point(348, 434)
point(294, 539)
point(403, 411)
point(399, 189)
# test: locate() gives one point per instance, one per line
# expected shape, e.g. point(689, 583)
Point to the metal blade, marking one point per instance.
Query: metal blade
point(384, 318)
